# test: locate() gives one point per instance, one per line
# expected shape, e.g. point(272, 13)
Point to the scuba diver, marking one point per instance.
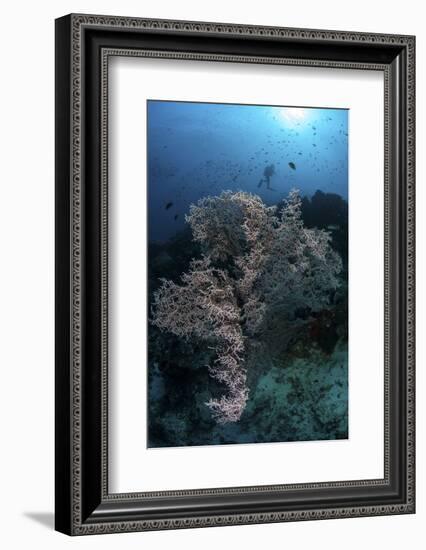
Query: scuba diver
point(267, 174)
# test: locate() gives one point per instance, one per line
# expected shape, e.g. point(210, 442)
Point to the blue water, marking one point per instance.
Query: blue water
point(199, 149)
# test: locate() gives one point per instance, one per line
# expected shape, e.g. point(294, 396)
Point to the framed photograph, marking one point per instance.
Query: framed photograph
point(234, 274)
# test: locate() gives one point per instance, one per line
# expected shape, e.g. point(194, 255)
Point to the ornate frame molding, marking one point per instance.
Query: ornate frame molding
point(73, 48)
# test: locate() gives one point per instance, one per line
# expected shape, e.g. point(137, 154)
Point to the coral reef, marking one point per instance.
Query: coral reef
point(259, 264)
point(301, 395)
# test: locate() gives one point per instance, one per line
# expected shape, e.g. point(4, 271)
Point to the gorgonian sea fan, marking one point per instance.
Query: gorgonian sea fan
point(255, 261)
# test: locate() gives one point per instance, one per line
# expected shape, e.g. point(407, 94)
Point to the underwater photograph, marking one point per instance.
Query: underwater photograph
point(247, 273)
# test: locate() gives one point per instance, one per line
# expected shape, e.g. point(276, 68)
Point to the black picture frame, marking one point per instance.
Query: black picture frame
point(83, 45)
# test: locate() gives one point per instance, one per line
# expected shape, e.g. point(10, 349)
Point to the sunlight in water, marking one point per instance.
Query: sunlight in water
point(293, 115)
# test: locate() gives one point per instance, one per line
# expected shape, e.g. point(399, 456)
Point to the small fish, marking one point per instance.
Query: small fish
point(176, 216)
point(292, 165)
point(169, 205)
